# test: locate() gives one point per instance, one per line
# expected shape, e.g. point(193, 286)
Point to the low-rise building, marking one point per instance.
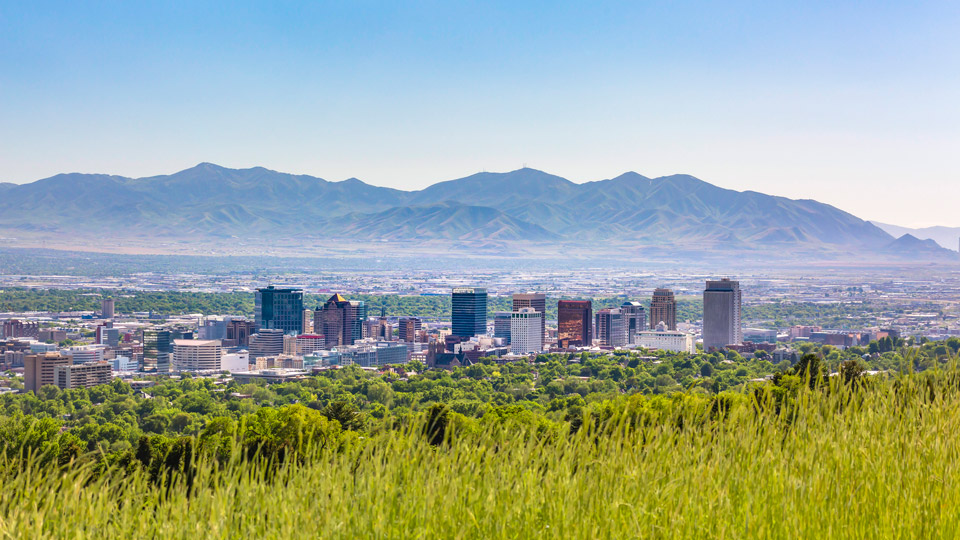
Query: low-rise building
point(85, 375)
point(666, 340)
point(197, 354)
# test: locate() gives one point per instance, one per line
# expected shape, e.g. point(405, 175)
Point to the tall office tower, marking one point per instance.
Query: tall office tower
point(266, 342)
point(526, 331)
point(238, 332)
point(537, 301)
point(157, 348)
point(468, 315)
point(663, 308)
point(574, 318)
point(40, 370)
point(721, 314)
point(307, 327)
point(106, 308)
point(611, 330)
point(501, 325)
point(635, 320)
point(340, 321)
point(196, 355)
point(279, 309)
point(408, 328)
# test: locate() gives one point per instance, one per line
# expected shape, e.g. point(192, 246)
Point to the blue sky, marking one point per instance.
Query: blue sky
point(853, 104)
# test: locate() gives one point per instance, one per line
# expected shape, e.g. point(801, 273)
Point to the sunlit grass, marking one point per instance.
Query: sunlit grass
point(881, 463)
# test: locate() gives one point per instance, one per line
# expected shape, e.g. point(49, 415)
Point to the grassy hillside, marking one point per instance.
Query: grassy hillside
point(868, 458)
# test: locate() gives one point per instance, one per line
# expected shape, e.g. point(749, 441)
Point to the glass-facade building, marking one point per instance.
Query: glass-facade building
point(157, 349)
point(634, 320)
point(468, 315)
point(279, 309)
point(574, 319)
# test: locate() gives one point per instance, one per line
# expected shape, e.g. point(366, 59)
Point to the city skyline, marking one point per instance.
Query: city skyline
point(825, 102)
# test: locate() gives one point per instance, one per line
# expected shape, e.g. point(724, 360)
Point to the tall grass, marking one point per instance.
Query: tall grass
point(843, 463)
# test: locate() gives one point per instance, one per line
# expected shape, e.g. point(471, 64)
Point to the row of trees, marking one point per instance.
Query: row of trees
point(111, 419)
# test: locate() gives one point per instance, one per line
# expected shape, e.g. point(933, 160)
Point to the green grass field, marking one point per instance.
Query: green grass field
point(841, 462)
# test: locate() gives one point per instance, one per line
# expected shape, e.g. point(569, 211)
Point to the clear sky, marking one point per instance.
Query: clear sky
point(856, 104)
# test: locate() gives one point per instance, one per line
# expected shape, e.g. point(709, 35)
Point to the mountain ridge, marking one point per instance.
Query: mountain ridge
point(674, 212)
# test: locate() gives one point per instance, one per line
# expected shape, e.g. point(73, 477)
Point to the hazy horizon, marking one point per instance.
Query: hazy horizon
point(849, 106)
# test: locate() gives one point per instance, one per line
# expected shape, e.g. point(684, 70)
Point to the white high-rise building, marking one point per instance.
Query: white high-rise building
point(196, 354)
point(526, 331)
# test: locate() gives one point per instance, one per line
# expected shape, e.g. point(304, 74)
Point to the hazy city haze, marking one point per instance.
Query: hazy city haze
point(848, 105)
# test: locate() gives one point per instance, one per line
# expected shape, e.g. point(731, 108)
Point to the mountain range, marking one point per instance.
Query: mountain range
point(523, 211)
point(946, 237)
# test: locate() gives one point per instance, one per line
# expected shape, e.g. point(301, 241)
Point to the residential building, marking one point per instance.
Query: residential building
point(526, 331)
point(197, 355)
point(14, 328)
point(663, 308)
point(279, 309)
point(39, 370)
point(53, 335)
point(721, 314)
point(468, 315)
point(574, 321)
point(83, 375)
point(665, 339)
point(340, 321)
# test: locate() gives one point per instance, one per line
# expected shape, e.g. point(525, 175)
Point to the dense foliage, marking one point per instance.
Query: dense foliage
point(799, 456)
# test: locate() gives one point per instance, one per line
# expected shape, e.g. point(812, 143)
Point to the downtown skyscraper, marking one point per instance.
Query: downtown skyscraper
point(468, 316)
point(574, 322)
point(663, 309)
point(721, 314)
point(537, 301)
point(279, 309)
point(340, 321)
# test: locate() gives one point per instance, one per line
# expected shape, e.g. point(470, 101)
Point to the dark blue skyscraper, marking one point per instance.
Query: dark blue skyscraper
point(469, 312)
point(279, 309)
